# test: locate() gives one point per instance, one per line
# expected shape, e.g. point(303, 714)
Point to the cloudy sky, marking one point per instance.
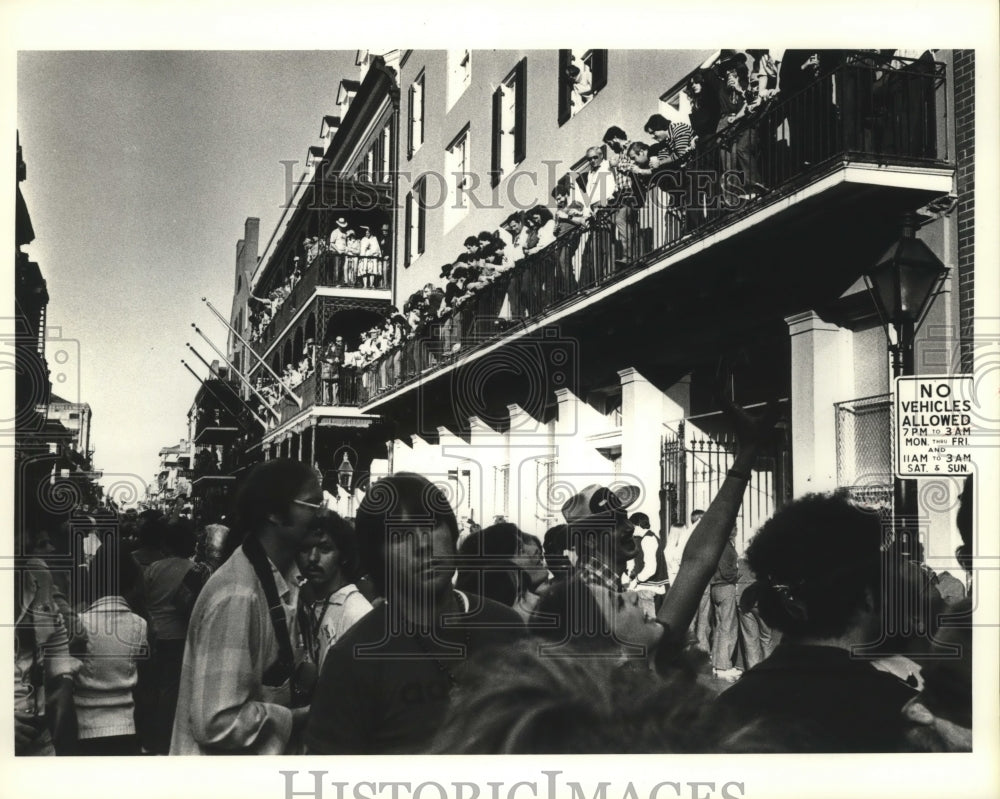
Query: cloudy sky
point(142, 167)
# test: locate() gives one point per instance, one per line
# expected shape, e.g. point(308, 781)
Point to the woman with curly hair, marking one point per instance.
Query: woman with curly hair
point(821, 565)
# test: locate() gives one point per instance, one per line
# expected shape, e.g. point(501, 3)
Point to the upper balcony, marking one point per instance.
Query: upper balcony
point(780, 211)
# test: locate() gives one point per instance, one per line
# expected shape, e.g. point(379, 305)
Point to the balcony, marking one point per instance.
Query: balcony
point(343, 393)
point(328, 274)
point(859, 146)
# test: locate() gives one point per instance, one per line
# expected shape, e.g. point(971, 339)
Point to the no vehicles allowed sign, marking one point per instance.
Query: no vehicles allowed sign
point(934, 426)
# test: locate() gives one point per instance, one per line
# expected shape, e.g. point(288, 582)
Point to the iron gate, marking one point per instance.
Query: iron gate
point(694, 466)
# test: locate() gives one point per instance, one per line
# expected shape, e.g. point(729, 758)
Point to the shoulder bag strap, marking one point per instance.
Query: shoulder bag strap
point(262, 567)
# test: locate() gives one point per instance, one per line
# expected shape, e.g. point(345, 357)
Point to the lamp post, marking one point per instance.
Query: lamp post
point(903, 284)
point(345, 474)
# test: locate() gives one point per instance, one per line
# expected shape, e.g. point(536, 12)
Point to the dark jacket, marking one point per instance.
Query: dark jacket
point(727, 571)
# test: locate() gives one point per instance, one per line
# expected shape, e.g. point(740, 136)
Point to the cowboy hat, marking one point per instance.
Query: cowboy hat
point(596, 500)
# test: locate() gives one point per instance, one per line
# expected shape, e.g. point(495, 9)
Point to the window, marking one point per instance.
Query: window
point(510, 116)
point(416, 221)
point(416, 122)
point(459, 74)
point(368, 170)
point(385, 162)
point(501, 490)
point(458, 176)
point(582, 74)
point(545, 473)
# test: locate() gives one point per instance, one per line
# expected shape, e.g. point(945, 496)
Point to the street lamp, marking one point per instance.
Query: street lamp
point(345, 474)
point(903, 284)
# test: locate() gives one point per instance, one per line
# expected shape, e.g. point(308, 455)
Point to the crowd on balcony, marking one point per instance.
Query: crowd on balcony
point(583, 639)
point(362, 260)
point(271, 390)
point(722, 135)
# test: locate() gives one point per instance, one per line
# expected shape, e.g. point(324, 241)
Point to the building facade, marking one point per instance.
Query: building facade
point(54, 480)
point(600, 357)
point(612, 377)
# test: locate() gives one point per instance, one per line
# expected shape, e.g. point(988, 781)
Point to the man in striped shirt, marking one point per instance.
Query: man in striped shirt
point(673, 139)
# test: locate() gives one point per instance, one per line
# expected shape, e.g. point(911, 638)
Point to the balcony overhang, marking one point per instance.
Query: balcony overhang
point(754, 247)
point(209, 436)
point(212, 481)
point(319, 416)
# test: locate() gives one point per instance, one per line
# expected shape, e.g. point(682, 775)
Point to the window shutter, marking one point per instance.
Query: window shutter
point(408, 230)
point(497, 138)
point(409, 125)
point(423, 106)
point(521, 111)
point(421, 215)
point(599, 70)
point(565, 91)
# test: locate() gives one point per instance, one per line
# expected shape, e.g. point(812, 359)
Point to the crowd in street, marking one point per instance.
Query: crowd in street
point(293, 630)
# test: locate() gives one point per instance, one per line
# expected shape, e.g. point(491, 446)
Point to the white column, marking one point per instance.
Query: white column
point(642, 422)
point(527, 441)
point(822, 375)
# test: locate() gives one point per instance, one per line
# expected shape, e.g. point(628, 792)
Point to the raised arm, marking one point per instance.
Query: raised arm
point(704, 548)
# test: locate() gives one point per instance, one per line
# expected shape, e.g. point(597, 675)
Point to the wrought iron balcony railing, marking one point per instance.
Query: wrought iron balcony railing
point(861, 111)
point(328, 270)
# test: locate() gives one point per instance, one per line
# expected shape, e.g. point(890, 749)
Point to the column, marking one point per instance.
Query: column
point(642, 418)
point(822, 375)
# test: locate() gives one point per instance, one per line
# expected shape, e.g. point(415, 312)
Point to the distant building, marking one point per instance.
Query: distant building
point(54, 481)
point(75, 417)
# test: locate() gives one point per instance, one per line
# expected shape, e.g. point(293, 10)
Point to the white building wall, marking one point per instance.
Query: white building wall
point(636, 79)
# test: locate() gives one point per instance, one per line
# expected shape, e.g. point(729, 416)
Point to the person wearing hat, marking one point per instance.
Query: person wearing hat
point(329, 372)
point(600, 531)
point(338, 246)
point(338, 236)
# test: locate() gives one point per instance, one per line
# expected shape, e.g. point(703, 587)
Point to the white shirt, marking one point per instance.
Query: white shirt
point(600, 187)
point(673, 552)
point(582, 85)
point(369, 247)
point(338, 240)
point(546, 235)
point(334, 617)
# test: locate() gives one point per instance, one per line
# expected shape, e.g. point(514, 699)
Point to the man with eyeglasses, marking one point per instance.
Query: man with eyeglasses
point(598, 189)
point(246, 681)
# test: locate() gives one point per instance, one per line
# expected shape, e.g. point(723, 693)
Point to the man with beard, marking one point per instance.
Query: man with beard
point(385, 685)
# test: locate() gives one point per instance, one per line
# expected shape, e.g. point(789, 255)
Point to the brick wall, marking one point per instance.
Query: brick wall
point(965, 152)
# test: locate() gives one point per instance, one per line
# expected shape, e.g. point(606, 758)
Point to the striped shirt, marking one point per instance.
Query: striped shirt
point(677, 143)
point(223, 706)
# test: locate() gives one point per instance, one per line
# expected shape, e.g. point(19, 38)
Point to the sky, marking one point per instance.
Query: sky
point(141, 170)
